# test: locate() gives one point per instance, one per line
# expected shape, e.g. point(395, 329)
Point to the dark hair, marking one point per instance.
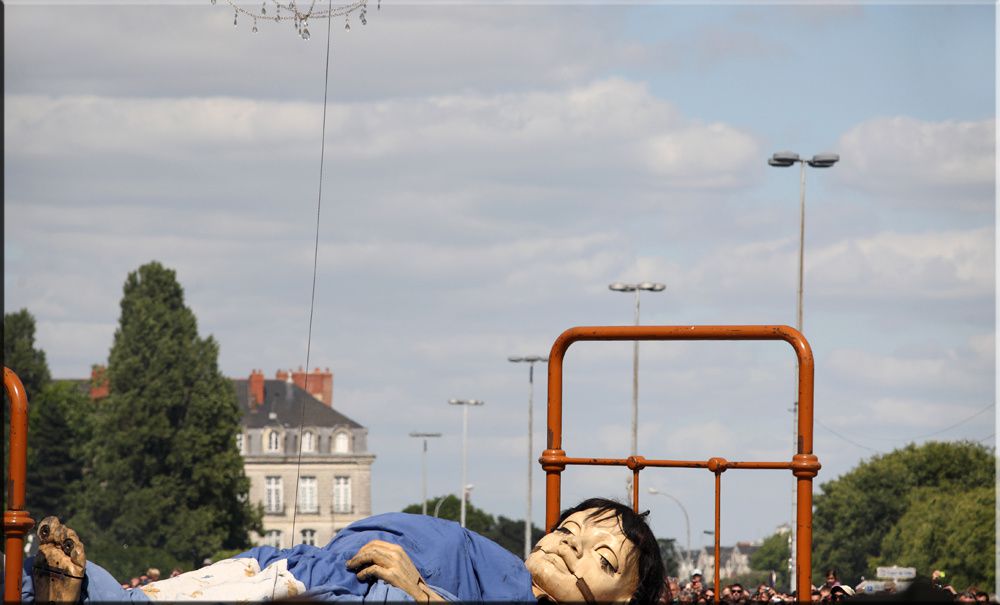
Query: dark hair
point(637, 531)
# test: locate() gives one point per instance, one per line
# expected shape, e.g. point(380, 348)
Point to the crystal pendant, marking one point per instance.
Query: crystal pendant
point(379, 5)
point(263, 9)
point(305, 34)
point(347, 24)
point(213, 2)
point(364, 21)
point(254, 29)
point(235, 17)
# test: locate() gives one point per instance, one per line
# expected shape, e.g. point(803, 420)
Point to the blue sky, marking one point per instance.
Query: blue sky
point(491, 168)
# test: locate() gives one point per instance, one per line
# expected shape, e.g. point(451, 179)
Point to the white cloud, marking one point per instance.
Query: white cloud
point(948, 164)
point(603, 125)
point(940, 265)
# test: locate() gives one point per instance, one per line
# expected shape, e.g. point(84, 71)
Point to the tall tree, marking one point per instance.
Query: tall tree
point(773, 556)
point(57, 449)
point(167, 485)
point(21, 356)
point(948, 530)
point(856, 511)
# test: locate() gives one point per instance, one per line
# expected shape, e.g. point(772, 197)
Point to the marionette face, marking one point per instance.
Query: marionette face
point(590, 547)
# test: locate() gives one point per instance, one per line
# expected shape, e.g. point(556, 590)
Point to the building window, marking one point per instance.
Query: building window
point(272, 538)
point(341, 443)
point(239, 442)
point(307, 495)
point(308, 442)
point(309, 537)
point(342, 495)
point(273, 495)
point(273, 441)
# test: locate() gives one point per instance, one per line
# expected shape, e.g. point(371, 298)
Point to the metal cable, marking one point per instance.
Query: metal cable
point(312, 299)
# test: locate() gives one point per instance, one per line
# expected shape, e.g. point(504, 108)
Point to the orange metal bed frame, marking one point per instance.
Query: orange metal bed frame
point(804, 465)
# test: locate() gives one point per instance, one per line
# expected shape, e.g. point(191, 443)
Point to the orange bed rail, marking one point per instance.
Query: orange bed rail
point(804, 465)
point(16, 520)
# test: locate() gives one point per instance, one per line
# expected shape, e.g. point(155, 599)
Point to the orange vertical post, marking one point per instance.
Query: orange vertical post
point(16, 520)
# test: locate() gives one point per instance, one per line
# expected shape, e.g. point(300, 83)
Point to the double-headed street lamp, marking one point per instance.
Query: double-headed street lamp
point(465, 403)
point(785, 159)
point(637, 288)
point(687, 521)
point(423, 468)
point(531, 360)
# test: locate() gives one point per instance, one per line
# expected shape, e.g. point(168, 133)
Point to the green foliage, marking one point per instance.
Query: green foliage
point(21, 356)
point(508, 533)
point(670, 555)
point(947, 530)
point(857, 512)
point(167, 487)
point(772, 556)
point(59, 420)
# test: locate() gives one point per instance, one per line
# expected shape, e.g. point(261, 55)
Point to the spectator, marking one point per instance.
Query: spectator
point(982, 597)
point(737, 594)
point(133, 582)
point(175, 572)
point(831, 578)
point(840, 592)
point(143, 580)
point(153, 573)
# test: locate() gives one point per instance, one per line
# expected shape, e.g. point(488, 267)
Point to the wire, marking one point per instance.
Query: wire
point(312, 299)
point(963, 421)
point(851, 441)
point(924, 436)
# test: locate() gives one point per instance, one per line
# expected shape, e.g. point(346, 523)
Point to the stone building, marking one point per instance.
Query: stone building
point(333, 468)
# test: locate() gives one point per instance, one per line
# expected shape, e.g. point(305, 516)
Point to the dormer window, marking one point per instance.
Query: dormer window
point(273, 441)
point(341, 443)
point(308, 442)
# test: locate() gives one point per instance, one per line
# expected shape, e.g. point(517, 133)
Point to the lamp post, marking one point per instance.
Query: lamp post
point(785, 159)
point(423, 468)
point(637, 288)
point(465, 403)
point(687, 521)
point(531, 360)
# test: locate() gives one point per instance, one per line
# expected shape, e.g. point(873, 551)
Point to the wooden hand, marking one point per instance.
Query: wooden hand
point(59, 565)
point(390, 563)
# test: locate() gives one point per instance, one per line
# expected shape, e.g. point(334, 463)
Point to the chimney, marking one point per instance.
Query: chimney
point(256, 387)
point(319, 385)
point(99, 383)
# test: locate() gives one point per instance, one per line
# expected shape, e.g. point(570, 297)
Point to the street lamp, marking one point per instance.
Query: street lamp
point(423, 468)
point(465, 403)
point(785, 159)
point(649, 287)
point(687, 521)
point(531, 360)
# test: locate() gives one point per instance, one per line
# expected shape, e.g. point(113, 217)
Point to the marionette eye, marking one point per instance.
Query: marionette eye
point(563, 530)
point(607, 567)
point(67, 546)
point(43, 532)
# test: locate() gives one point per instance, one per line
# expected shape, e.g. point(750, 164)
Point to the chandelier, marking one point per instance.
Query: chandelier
point(299, 15)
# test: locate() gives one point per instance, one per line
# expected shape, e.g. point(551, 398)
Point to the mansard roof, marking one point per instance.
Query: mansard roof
point(292, 406)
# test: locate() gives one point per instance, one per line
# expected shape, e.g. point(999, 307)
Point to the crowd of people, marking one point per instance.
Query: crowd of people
point(695, 590)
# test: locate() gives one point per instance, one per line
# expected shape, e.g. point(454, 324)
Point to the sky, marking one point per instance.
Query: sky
point(489, 170)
